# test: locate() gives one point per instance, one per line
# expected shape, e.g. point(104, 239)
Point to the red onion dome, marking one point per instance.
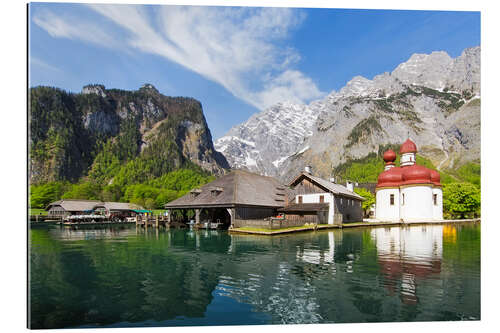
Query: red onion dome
point(435, 177)
point(408, 147)
point(416, 174)
point(389, 156)
point(391, 177)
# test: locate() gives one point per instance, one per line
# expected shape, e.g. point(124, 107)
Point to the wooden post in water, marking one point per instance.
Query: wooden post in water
point(197, 216)
point(157, 221)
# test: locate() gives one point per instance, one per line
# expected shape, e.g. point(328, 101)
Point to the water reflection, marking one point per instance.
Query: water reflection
point(406, 255)
point(135, 277)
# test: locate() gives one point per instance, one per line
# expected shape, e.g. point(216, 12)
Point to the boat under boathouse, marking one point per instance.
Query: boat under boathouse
point(239, 198)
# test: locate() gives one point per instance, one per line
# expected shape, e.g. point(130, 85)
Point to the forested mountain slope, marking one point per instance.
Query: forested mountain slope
point(111, 135)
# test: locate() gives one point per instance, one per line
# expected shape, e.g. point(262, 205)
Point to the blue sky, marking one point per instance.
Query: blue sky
point(235, 61)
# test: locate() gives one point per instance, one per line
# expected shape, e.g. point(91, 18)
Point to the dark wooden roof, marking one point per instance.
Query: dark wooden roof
point(304, 207)
point(327, 186)
point(237, 188)
point(75, 205)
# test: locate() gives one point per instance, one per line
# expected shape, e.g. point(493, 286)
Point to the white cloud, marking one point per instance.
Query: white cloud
point(239, 48)
point(73, 28)
point(291, 85)
point(37, 62)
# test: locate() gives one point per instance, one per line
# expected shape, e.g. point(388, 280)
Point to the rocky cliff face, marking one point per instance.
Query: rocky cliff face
point(68, 131)
point(434, 99)
point(266, 139)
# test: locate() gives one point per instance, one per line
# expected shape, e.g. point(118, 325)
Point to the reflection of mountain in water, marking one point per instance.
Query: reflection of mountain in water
point(126, 277)
point(279, 284)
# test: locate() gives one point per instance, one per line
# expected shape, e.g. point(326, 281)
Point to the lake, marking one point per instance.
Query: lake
point(123, 276)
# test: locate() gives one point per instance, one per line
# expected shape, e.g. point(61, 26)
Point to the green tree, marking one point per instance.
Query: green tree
point(166, 196)
point(111, 193)
point(369, 199)
point(149, 203)
point(83, 191)
point(43, 194)
point(460, 199)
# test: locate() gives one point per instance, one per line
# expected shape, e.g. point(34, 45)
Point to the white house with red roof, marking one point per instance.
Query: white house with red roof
point(410, 192)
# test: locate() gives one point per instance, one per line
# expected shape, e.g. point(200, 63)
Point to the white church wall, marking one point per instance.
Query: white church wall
point(438, 207)
point(418, 202)
point(384, 210)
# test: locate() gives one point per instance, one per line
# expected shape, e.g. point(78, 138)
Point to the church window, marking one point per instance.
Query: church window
point(300, 199)
point(392, 199)
point(435, 199)
point(321, 198)
point(403, 201)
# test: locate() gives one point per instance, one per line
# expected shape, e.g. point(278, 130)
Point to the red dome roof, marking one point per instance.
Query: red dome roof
point(391, 177)
point(416, 174)
point(408, 147)
point(435, 177)
point(389, 156)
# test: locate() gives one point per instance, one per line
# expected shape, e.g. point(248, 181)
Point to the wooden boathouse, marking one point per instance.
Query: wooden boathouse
point(239, 198)
point(66, 207)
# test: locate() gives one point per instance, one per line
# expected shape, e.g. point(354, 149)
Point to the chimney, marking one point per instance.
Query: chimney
point(332, 180)
point(308, 169)
point(350, 186)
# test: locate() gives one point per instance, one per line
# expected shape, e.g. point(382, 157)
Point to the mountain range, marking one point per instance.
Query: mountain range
point(110, 135)
point(433, 99)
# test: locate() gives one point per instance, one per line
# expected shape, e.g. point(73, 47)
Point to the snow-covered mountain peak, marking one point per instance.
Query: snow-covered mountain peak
point(269, 141)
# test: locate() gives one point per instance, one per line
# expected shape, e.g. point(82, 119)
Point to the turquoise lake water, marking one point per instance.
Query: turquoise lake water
point(123, 276)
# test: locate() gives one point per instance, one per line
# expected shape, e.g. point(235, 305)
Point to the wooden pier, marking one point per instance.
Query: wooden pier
point(314, 227)
point(44, 219)
point(152, 221)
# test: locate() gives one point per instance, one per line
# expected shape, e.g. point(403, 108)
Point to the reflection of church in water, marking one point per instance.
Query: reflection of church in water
point(208, 267)
point(407, 255)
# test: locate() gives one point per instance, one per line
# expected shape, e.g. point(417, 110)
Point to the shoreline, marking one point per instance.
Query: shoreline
point(347, 225)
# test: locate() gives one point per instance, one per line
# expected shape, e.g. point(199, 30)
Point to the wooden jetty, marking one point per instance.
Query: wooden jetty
point(153, 221)
point(44, 219)
point(314, 227)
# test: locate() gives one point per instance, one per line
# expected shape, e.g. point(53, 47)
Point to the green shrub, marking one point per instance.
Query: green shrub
point(461, 199)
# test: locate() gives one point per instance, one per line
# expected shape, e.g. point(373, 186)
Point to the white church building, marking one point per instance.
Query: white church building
point(410, 192)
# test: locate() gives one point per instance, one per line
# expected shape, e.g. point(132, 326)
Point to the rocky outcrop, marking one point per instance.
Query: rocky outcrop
point(67, 131)
point(432, 98)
